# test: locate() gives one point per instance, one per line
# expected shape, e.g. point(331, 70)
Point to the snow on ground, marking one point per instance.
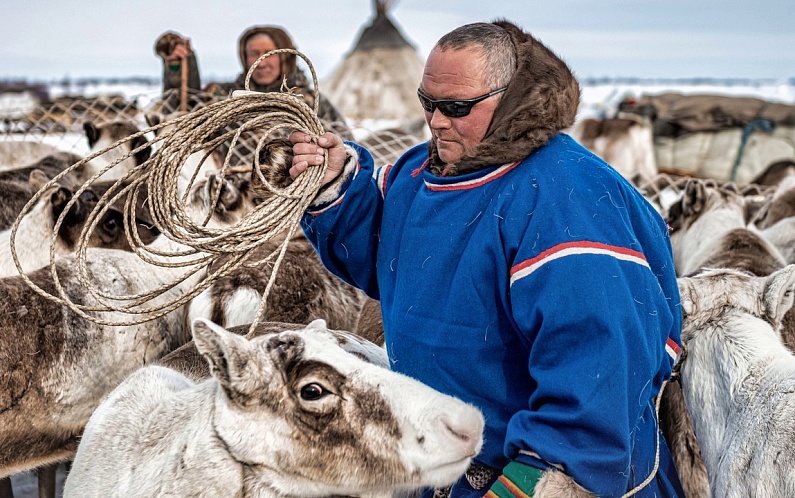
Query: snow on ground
point(599, 96)
point(143, 92)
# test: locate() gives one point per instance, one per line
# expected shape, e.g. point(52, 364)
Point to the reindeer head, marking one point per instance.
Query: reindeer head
point(109, 232)
point(273, 166)
point(235, 198)
point(713, 297)
point(321, 421)
point(100, 137)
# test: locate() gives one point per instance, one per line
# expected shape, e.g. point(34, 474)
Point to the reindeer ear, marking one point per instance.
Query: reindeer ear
point(144, 154)
point(685, 296)
point(59, 199)
point(694, 197)
point(37, 179)
point(153, 118)
point(318, 324)
point(92, 133)
point(731, 187)
point(756, 211)
point(779, 294)
point(233, 361)
point(285, 348)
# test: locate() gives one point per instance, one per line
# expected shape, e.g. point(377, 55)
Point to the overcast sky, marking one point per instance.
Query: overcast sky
point(48, 39)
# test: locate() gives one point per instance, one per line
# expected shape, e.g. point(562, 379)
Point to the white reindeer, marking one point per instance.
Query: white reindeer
point(626, 143)
point(739, 380)
point(285, 414)
point(708, 230)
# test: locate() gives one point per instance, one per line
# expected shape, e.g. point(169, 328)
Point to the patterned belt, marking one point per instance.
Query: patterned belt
point(478, 477)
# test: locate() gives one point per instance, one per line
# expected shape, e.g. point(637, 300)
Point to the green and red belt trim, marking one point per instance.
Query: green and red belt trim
point(517, 480)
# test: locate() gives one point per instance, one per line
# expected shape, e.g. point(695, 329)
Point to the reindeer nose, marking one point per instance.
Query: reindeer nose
point(465, 431)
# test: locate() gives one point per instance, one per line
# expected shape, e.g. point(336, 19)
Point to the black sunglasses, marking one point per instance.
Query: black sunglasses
point(453, 108)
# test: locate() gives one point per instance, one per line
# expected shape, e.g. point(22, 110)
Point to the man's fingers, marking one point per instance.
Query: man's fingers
point(303, 149)
point(297, 169)
point(306, 154)
point(329, 140)
point(297, 137)
point(309, 159)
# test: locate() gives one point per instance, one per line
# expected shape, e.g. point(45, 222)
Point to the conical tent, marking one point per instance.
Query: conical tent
point(378, 78)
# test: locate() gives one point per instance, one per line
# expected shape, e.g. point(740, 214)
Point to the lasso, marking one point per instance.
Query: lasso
point(160, 174)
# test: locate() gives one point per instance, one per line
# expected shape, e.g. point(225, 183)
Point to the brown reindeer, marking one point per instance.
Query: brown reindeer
point(55, 366)
point(16, 188)
point(34, 233)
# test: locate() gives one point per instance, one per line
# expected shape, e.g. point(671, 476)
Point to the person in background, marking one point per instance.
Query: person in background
point(273, 74)
point(173, 48)
point(515, 270)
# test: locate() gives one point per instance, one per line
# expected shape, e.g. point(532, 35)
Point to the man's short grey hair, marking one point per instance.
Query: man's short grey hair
point(498, 50)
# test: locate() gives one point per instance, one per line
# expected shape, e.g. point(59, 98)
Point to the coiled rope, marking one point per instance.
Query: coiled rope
point(204, 129)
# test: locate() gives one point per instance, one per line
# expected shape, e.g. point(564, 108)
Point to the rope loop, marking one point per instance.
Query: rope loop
point(188, 244)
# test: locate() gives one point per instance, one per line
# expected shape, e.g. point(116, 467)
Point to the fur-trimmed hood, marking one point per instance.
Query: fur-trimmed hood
point(541, 100)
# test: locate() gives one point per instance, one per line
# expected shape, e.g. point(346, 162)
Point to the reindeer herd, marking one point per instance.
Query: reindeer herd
point(304, 405)
point(56, 367)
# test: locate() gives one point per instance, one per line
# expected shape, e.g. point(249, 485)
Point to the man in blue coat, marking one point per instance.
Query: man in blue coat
point(515, 270)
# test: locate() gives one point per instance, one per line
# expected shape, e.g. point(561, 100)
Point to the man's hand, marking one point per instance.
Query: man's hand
point(307, 154)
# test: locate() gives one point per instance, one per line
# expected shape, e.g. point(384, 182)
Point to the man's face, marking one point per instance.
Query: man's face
point(268, 70)
point(457, 74)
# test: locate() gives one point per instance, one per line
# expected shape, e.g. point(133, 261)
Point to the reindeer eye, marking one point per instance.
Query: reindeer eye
point(111, 224)
point(313, 392)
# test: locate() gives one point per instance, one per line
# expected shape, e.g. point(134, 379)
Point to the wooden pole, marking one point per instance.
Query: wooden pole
point(183, 88)
point(5, 488)
point(46, 478)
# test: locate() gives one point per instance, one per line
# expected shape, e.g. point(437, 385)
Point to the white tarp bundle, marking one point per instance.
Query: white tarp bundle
point(727, 138)
point(715, 154)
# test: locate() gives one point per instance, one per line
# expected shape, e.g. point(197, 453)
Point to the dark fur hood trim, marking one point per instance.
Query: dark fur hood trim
point(541, 100)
